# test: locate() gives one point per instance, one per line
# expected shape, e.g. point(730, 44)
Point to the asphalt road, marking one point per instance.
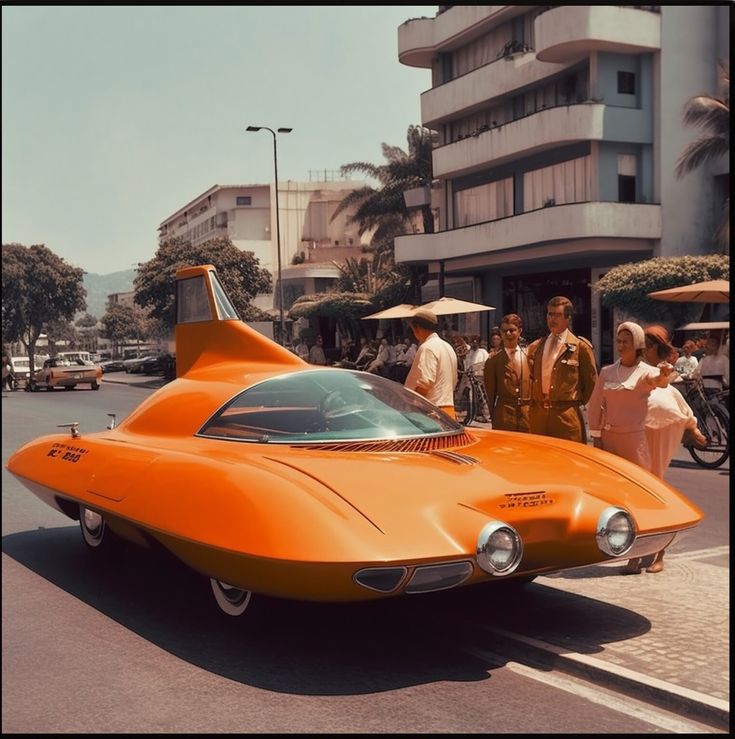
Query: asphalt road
point(139, 646)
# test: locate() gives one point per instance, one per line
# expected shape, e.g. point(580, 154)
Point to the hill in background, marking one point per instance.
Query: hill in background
point(98, 287)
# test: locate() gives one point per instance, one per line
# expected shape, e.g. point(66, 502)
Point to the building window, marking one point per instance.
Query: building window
point(626, 83)
point(244, 200)
point(626, 188)
point(627, 169)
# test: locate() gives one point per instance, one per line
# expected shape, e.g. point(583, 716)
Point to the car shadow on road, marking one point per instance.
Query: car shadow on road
point(316, 648)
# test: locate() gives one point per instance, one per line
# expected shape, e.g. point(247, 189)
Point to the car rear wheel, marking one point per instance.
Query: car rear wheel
point(231, 600)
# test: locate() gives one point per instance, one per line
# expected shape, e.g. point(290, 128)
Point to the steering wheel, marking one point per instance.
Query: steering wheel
point(335, 405)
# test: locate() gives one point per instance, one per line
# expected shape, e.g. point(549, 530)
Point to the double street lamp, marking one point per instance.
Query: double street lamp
point(278, 221)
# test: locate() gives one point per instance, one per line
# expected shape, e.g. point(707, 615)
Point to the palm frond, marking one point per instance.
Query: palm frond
point(704, 149)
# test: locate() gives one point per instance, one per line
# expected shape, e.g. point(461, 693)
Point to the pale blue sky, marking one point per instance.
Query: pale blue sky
point(113, 118)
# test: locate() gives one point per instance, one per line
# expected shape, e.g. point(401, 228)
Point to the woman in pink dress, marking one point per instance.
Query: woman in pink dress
point(618, 407)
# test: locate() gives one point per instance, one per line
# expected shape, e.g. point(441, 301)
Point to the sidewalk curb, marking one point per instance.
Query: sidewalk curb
point(706, 709)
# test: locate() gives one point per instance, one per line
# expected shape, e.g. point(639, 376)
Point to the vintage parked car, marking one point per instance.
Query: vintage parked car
point(270, 476)
point(66, 373)
point(112, 365)
point(135, 365)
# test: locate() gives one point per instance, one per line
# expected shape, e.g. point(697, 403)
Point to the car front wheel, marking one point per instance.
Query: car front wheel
point(95, 533)
point(231, 600)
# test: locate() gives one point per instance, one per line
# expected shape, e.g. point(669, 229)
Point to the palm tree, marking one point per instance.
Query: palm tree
point(383, 209)
point(712, 115)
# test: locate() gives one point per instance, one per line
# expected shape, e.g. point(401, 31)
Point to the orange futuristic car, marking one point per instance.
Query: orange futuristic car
point(271, 476)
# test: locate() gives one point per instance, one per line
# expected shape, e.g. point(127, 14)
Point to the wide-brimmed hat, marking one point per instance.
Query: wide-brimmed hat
point(660, 336)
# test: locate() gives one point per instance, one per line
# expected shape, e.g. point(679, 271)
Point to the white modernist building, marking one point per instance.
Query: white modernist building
point(559, 128)
point(310, 241)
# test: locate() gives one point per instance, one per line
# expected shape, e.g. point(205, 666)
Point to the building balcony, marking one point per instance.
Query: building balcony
point(420, 39)
point(547, 129)
point(481, 86)
point(561, 223)
point(567, 32)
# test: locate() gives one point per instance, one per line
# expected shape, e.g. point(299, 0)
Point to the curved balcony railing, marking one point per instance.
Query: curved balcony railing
point(639, 222)
point(567, 32)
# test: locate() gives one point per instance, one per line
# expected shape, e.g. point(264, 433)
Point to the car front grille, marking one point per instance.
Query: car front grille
point(422, 445)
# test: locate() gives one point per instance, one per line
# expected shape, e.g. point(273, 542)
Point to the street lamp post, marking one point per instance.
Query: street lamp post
point(278, 221)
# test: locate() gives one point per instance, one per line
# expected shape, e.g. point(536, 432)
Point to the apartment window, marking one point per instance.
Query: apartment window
point(626, 189)
point(627, 166)
point(626, 83)
point(244, 200)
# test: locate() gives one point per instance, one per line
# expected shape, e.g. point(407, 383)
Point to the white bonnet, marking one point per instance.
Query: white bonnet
point(639, 339)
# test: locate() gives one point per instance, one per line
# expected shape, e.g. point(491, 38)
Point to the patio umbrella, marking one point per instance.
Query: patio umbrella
point(712, 291)
point(705, 326)
point(450, 306)
point(404, 310)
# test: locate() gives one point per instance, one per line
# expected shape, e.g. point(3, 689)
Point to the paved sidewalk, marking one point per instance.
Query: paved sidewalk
point(663, 636)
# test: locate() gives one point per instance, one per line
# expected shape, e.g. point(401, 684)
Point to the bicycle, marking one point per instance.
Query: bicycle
point(470, 397)
point(713, 420)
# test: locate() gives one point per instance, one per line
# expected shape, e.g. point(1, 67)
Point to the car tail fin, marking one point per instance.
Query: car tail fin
point(209, 330)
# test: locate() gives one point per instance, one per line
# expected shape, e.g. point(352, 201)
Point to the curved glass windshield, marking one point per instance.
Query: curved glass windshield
point(327, 405)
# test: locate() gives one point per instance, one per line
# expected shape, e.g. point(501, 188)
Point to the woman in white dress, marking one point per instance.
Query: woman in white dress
point(668, 417)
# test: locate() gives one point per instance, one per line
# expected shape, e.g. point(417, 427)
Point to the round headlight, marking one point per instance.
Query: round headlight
point(499, 548)
point(615, 531)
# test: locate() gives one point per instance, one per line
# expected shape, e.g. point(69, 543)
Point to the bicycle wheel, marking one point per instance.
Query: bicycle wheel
point(714, 423)
point(463, 406)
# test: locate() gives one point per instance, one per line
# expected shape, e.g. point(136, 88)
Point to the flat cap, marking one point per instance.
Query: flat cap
point(425, 316)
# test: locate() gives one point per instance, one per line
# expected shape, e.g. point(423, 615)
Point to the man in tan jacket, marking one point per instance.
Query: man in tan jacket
point(564, 372)
point(507, 379)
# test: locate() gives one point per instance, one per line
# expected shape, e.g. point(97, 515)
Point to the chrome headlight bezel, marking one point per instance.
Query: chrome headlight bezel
point(494, 538)
point(616, 531)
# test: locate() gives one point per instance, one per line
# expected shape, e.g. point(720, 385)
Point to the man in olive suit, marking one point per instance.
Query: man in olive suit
point(564, 372)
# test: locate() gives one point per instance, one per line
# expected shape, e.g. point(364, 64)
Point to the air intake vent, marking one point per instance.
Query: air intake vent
point(420, 446)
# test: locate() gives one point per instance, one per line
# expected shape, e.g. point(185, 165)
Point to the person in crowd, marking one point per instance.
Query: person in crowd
point(316, 353)
point(8, 375)
point(563, 375)
point(405, 354)
point(382, 361)
point(507, 379)
point(302, 349)
point(496, 342)
point(475, 361)
point(699, 347)
point(668, 417)
point(433, 373)
point(363, 357)
point(687, 362)
point(714, 367)
point(476, 356)
point(618, 406)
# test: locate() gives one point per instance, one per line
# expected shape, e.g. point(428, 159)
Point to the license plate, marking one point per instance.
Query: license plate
point(78, 377)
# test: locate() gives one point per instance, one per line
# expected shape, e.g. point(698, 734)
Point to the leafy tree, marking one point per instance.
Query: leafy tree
point(38, 287)
point(712, 115)
point(626, 287)
point(86, 321)
point(345, 308)
point(239, 272)
point(122, 322)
